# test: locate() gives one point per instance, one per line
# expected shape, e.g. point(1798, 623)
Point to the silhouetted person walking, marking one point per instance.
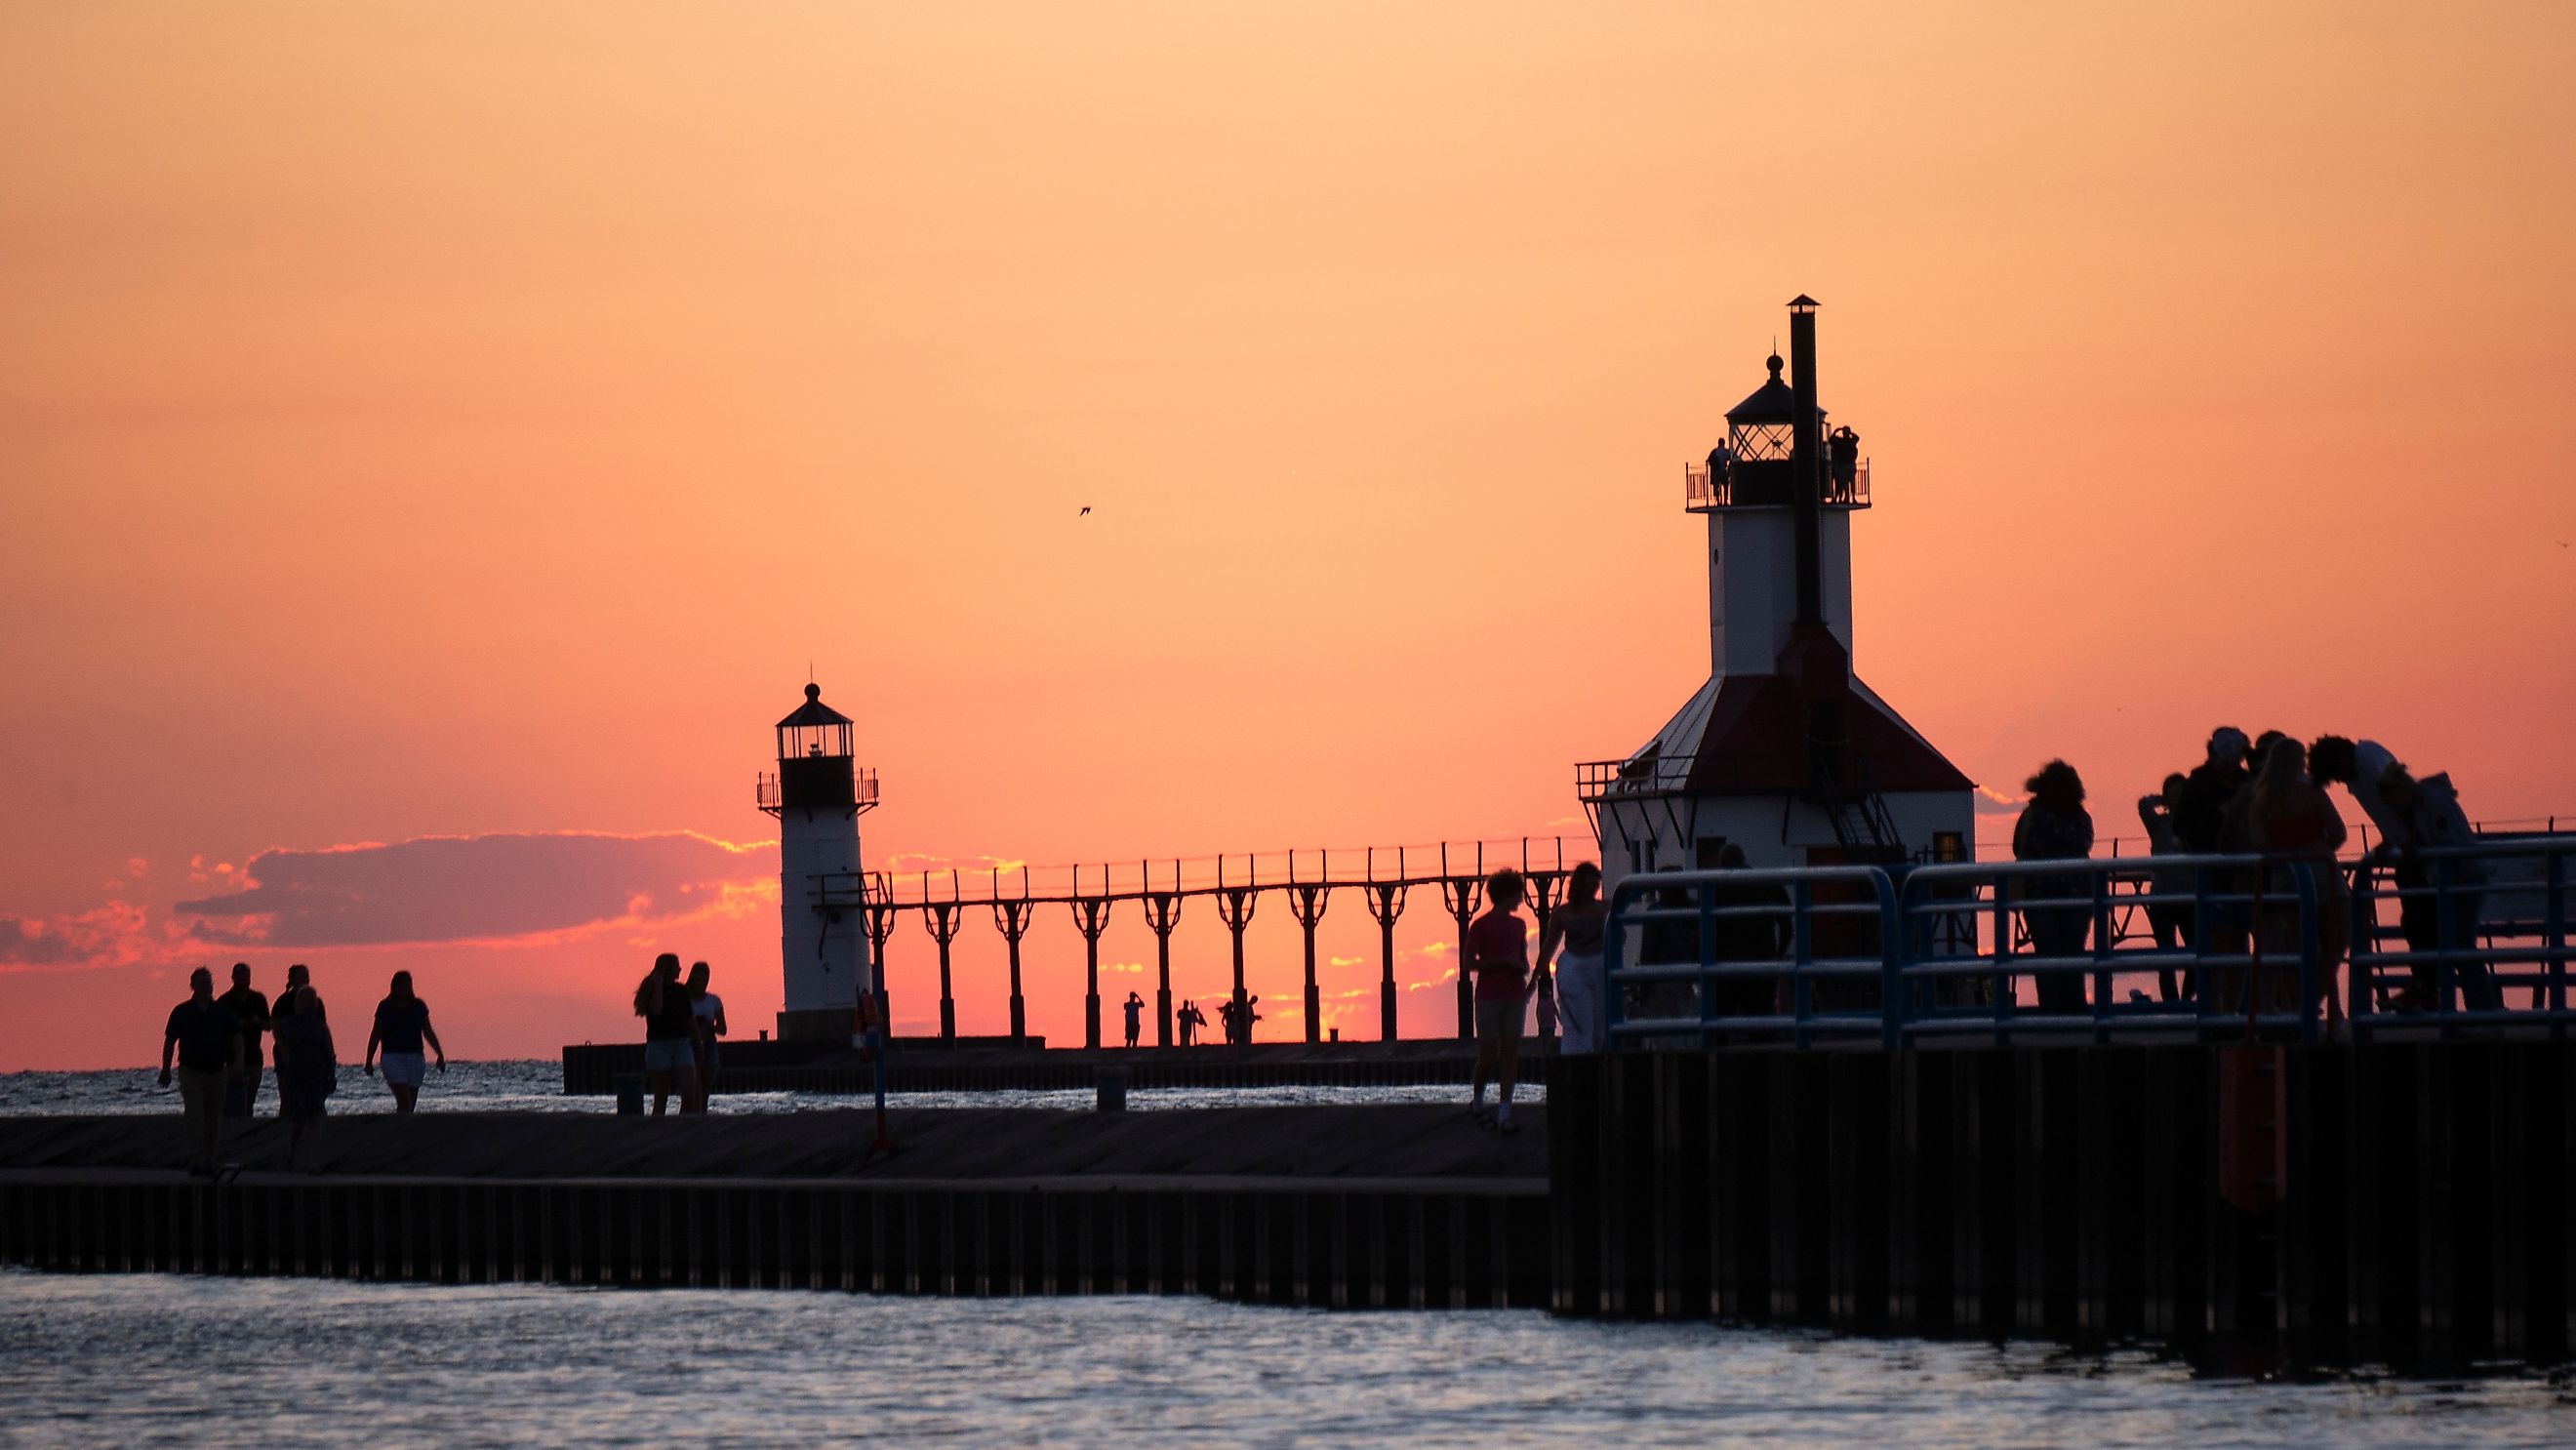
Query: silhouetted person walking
point(241, 1095)
point(708, 1025)
point(208, 1038)
point(1135, 1018)
point(2056, 827)
point(1497, 948)
point(1576, 930)
point(1190, 1020)
point(308, 1069)
point(402, 1027)
point(670, 1033)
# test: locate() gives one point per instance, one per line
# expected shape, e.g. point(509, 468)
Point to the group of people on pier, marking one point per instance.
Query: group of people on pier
point(684, 1028)
point(217, 1046)
point(2267, 796)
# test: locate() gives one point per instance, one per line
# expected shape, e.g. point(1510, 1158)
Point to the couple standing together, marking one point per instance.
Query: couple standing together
point(1497, 951)
point(682, 1022)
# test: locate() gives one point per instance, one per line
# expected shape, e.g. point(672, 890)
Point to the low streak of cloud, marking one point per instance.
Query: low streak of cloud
point(487, 888)
point(1992, 802)
point(115, 935)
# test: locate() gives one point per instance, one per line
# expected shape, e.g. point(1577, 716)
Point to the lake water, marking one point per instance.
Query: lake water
point(208, 1362)
point(536, 1085)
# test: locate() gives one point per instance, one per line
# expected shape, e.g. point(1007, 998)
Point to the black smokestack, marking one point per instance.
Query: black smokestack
point(1807, 456)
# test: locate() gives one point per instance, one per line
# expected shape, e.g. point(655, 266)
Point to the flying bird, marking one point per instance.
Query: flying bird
point(1086, 512)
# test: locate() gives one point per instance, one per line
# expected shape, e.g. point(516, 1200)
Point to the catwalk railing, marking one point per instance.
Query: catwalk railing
point(1384, 876)
point(2123, 947)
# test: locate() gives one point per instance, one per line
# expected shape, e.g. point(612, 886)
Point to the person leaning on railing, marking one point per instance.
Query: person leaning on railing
point(2430, 814)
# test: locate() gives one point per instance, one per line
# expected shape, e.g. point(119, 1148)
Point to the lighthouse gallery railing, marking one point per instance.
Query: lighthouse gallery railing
point(2169, 946)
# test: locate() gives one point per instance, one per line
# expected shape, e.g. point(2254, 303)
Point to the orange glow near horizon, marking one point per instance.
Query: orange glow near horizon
point(427, 421)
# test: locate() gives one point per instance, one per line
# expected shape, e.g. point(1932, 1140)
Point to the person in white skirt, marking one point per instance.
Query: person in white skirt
point(402, 1029)
point(1576, 929)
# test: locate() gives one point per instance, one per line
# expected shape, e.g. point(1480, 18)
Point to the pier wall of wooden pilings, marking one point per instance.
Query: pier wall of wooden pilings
point(2072, 1194)
point(1354, 1245)
point(593, 1069)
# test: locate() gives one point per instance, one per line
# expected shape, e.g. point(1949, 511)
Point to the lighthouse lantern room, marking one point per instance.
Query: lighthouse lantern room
point(818, 795)
point(1784, 752)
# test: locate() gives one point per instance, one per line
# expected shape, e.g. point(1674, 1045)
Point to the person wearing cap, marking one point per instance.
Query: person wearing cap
point(207, 1037)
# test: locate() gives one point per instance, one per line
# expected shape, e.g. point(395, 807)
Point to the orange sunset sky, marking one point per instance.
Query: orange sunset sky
point(437, 439)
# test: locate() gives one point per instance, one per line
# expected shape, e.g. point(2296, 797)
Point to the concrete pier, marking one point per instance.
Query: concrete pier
point(996, 1065)
point(2074, 1194)
point(1390, 1207)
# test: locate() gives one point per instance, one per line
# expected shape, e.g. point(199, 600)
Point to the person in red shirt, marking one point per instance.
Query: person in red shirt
point(1497, 951)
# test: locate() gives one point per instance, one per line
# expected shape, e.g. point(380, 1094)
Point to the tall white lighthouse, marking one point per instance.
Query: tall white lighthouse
point(818, 795)
point(1784, 752)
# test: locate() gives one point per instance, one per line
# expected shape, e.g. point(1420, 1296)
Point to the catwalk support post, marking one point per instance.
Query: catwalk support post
point(1162, 913)
point(1386, 903)
point(880, 920)
point(1307, 902)
point(1463, 895)
point(1014, 918)
point(1091, 918)
point(942, 920)
point(1234, 906)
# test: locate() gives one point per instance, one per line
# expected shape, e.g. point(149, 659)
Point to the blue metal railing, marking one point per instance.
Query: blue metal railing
point(2469, 925)
point(2124, 947)
point(2238, 920)
point(1694, 979)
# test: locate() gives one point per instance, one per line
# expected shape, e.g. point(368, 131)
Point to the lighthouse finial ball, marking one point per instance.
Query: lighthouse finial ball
point(813, 692)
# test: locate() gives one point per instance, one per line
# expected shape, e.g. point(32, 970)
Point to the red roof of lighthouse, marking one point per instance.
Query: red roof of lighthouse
point(1747, 735)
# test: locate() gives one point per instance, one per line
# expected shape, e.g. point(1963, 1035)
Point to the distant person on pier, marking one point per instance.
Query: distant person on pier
point(707, 1025)
point(2430, 811)
point(1575, 929)
point(1497, 949)
point(670, 1033)
point(402, 1027)
point(2170, 888)
point(308, 1069)
point(208, 1038)
point(1751, 938)
point(1244, 1017)
point(1135, 1018)
point(2293, 817)
point(1190, 1019)
point(1543, 1008)
point(241, 1094)
point(2056, 827)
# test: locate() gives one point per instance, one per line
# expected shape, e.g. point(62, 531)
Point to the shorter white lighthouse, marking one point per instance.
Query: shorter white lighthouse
point(818, 795)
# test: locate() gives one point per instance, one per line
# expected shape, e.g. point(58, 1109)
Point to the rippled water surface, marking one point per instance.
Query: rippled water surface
point(159, 1360)
point(536, 1085)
